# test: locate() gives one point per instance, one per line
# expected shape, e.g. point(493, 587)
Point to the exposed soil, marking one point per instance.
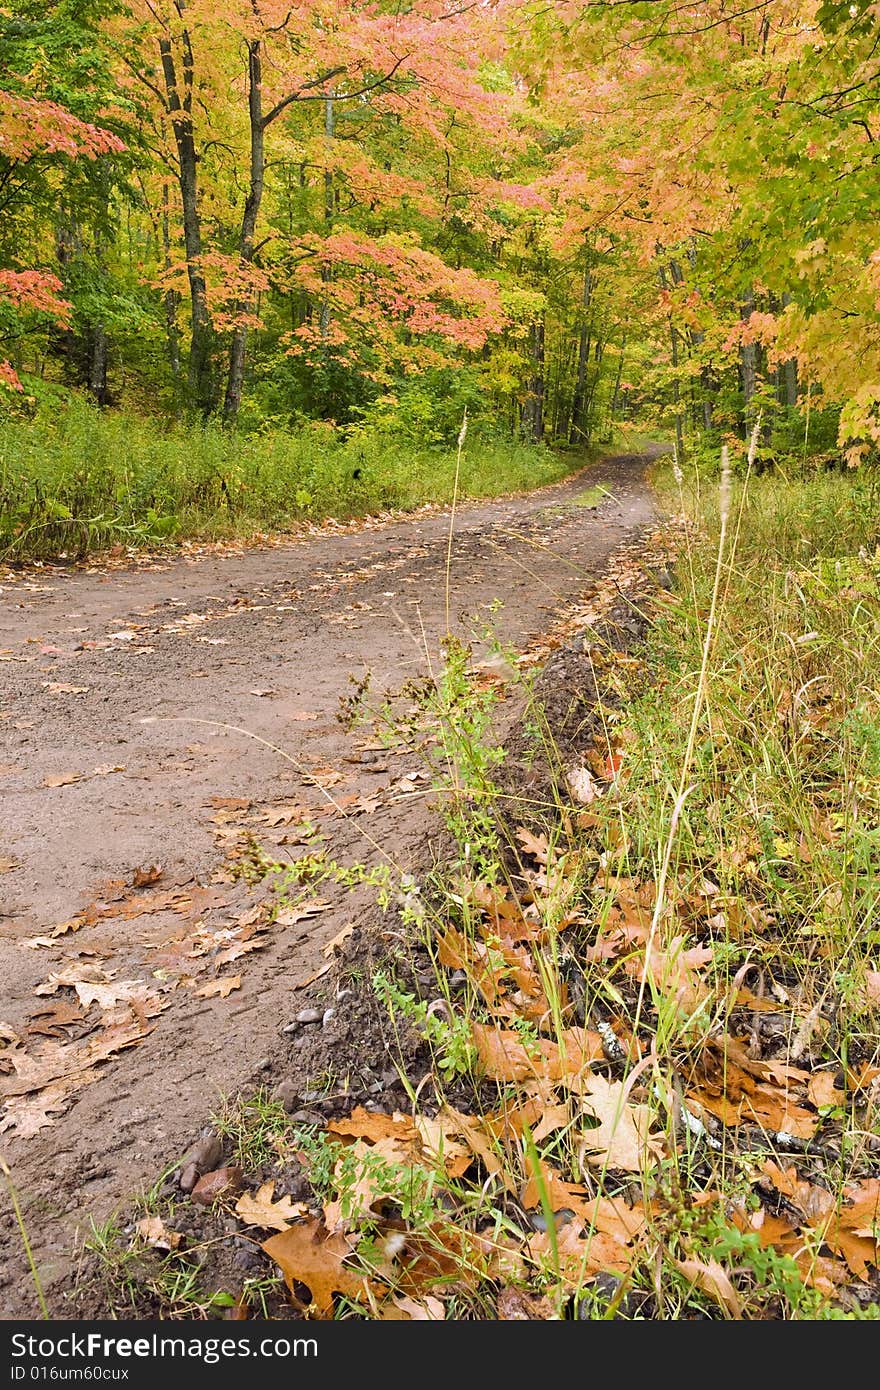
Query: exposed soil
point(106, 770)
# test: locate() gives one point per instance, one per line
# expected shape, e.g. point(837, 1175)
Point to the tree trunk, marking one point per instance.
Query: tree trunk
point(612, 411)
point(244, 307)
point(98, 364)
point(329, 209)
point(533, 405)
point(576, 425)
point(789, 371)
point(172, 299)
point(200, 376)
point(748, 360)
point(676, 384)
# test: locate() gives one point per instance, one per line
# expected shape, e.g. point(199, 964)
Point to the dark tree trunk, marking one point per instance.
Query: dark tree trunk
point(244, 307)
point(201, 385)
point(533, 405)
point(576, 424)
point(748, 360)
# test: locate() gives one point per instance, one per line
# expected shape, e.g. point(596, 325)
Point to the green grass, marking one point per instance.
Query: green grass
point(74, 480)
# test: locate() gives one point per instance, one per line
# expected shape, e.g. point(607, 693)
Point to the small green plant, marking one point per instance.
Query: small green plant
point(447, 1032)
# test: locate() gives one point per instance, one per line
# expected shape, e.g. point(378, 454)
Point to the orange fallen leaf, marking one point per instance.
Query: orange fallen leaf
point(219, 989)
point(714, 1280)
point(152, 1229)
point(308, 1254)
point(260, 1208)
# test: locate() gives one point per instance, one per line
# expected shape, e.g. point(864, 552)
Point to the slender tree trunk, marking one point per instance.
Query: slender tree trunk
point(789, 370)
point(748, 360)
point(612, 411)
point(533, 406)
point(676, 384)
point(329, 208)
point(98, 364)
point(172, 300)
point(200, 376)
point(576, 425)
point(244, 307)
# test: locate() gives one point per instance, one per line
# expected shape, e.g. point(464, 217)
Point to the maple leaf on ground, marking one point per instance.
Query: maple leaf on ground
point(309, 1254)
point(374, 1125)
point(260, 1209)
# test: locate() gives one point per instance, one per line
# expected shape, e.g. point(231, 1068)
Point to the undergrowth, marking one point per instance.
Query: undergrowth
point(74, 480)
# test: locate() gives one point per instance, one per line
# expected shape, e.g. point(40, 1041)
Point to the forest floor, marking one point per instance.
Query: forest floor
point(158, 722)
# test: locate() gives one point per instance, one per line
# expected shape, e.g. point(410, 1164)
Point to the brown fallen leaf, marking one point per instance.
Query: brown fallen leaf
point(26, 1115)
point(147, 874)
point(308, 1254)
point(66, 779)
point(301, 912)
point(152, 1229)
point(714, 1280)
point(303, 715)
point(622, 1138)
point(62, 688)
point(337, 940)
point(260, 1209)
point(52, 1020)
point(823, 1090)
point(505, 1057)
point(106, 769)
point(373, 1125)
point(407, 1309)
point(219, 989)
point(8, 863)
point(57, 1061)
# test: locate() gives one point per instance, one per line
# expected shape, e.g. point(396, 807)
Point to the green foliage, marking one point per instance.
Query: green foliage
point(74, 480)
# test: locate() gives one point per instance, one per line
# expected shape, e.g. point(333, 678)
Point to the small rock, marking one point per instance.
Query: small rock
point(223, 1182)
point(206, 1154)
point(328, 1014)
point(189, 1176)
point(310, 1016)
point(290, 1027)
point(288, 1093)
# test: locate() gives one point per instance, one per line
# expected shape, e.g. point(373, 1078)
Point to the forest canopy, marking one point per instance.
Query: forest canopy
point(562, 217)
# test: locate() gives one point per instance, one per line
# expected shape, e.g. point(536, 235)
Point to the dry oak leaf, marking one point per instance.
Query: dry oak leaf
point(364, 1179)
point(480, 1145)
point(610, 1215)
point(515, 1305)
point(622, 1138)
point(152, 1229)
point(374, 1125)
point(26, 1115)
point(505, 1057)
point(407, 1309)
point(579, 1255)
point(308, 1254)
point(823, 1090)
point(219, 989)
point(57, 1061)
point(300, 912)
point(714, 1280)
point(259, 1209)
point(440, 1148)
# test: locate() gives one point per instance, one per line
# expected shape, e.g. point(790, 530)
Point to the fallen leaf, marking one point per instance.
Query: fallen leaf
point(337, 940)
point(622, 1138)
point(714, 1280)
point(374, 1125)
point(505, 1057)
point(259, 1209)
point(62, 688)
point(426, 1309)
point(308, 1254)
point(106, 769)
point(582, 785)
point(66, 779)
point(303, 715)
point(8, 863)
point(301, 912)
point(147, 874)
point(219, 989)
point(152, 1229)
point(262, 693)
point(823, 1090)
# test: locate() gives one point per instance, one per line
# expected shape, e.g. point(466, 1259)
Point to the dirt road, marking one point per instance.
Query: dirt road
point(119, 809)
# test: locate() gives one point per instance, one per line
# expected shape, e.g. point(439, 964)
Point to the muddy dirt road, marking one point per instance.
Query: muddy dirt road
point(141, 979)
